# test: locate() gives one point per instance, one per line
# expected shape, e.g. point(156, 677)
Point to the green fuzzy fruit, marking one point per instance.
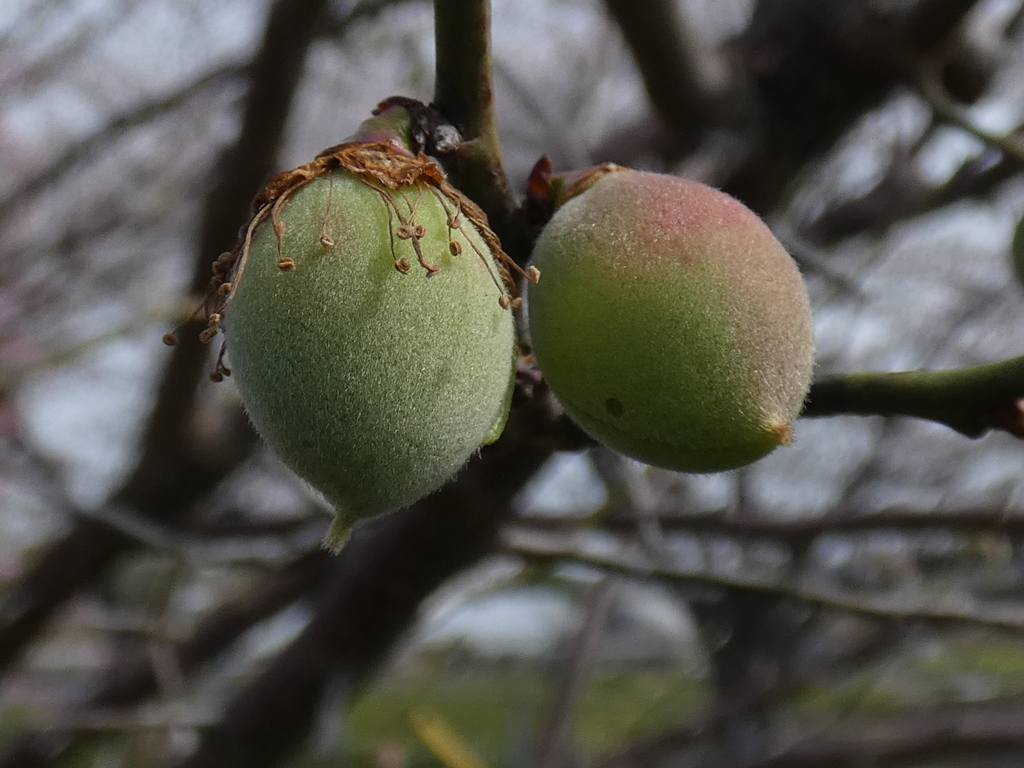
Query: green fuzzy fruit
point(372, 380)
point(670, 323)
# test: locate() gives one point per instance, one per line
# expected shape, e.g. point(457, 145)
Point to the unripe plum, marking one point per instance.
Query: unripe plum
point(368, 326)
point(670, 323)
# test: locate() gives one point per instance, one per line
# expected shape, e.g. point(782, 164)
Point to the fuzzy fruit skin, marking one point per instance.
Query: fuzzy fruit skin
point(374, 386)
point(670, 322)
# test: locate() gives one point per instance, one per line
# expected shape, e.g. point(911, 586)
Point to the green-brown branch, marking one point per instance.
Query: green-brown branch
point(970, 400)
point(463, 92)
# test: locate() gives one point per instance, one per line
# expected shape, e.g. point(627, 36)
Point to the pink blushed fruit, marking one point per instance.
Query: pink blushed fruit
point(670, 323)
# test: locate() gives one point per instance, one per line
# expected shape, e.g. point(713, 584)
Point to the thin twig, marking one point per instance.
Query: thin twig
point(277, 546)
point(710, 721)
point(170, 475)
point(840, 521)
point(1008, 616)
point(338, 26)
point(955, 735)
point(930, 85)
point(556, 739)
point(668, 62)
point(114, 130)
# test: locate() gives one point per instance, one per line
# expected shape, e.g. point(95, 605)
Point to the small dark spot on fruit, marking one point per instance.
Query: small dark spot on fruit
point(614, 406)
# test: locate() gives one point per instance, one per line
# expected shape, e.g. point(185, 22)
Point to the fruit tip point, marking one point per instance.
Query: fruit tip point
point(337, 535)
point(783, 433)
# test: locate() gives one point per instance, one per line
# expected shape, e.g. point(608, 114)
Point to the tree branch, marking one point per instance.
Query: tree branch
point(970, 400)
point(66, 161)
point(711, 720)
point(953, 609)
point(337, 26)
point(840, 521)
point(390, 564)
point(132, 679)
point(902, 194)
point(173, 472)
point(464, 93)
point(933, 90)
point(948, 735)
point(555, 744)
point(668, 65)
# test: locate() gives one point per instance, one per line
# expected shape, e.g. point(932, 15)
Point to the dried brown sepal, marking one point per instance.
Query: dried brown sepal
point(577, 182)
point(378, 165)
point(220, 371)
point(223, 264)
point(540, 193)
